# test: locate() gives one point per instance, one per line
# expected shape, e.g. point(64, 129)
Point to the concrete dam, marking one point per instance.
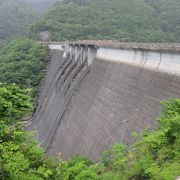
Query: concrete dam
point(97, 93)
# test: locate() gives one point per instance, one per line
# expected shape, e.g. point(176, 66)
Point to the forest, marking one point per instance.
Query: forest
point(155, 155)
point(15, 19)
point(22, 62)
point(135, 20)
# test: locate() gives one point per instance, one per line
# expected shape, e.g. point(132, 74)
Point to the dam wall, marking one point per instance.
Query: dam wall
point(121, 95)
point(101, 93)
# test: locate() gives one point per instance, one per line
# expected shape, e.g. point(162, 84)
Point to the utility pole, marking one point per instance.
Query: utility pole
point(124, 123)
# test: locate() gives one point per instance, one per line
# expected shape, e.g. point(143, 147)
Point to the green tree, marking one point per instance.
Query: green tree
point(138, 20)
point(22, 62)
point(20, 157)
point(14, 103)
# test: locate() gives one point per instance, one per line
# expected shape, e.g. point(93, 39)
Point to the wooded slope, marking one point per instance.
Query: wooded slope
point(135, 20)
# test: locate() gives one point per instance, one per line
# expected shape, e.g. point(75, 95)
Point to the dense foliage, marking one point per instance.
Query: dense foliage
point(22, 62)
point(14, 103)
point(15, 18)
point(20, 157)
point(136, 20)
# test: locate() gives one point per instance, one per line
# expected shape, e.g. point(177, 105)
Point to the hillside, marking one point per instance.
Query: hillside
point(135, 20)
point(15, 18)
point(168, 12)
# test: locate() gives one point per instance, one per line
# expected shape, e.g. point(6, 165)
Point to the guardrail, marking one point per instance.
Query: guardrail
point(170, 47)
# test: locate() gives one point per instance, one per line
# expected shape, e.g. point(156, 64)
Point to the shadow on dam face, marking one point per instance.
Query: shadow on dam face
point(111, 102)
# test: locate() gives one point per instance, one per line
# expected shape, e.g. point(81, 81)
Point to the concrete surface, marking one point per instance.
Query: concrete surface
point(62, 79)
point(121, 95)
point(113, 101)
point(80, 113)
point(168, 62)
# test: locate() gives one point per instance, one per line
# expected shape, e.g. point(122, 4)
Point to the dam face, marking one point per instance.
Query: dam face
point(119, 93)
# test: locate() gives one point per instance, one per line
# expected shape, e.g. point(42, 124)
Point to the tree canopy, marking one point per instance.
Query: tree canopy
point(14, 103)
point(136, 20)
point(22, 62)
point(20, 157)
